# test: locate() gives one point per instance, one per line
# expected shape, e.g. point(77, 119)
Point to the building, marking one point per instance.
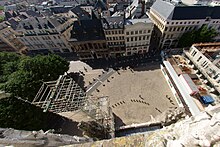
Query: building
point(206, 58)
point(114, 34)
point(137, 36)
point(44, 34)
point(8, 40)
point(88, 40)
point(173, 73)
point(172, 19)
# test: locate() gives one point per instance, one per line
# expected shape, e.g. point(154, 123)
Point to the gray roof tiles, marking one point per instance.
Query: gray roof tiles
point(170, 11)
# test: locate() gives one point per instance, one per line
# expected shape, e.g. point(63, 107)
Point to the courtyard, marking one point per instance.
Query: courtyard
point(136, 95)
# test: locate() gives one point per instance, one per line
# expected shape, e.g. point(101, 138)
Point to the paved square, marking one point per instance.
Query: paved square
point(136, 95)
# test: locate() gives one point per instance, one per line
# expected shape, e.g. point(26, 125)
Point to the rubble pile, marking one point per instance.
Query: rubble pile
point(37, 138)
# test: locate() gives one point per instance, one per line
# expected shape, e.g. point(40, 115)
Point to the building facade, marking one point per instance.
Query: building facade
point(8, 40)
point(88, 40)
point(206, 57)
point(45, 34)
point(172, 20)
point(114, 34)
point(137, 36)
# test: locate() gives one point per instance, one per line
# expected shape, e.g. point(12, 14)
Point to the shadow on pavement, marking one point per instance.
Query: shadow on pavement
point(118, 121)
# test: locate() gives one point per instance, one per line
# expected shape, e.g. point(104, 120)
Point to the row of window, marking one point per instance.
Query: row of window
point(43, 38)
point(115, 38)
point(135, 48)
point(137, 38)
point(115, 43)
point(189, 22)
point(137, 44)
point(185, 22)
point(113, 32)
point(138, 32)
point(91, 46)
point(180, 28)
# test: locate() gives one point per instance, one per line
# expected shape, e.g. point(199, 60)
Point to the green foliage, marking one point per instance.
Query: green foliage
point(18, 114)
point(1, 7)
point(203, 34)
point(2, 18)
point(22, 76)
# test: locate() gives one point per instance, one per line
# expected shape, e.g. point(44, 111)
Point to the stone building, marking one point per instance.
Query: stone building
point(114, 34)
point(8, 40)
point(88, 40)
point(206, 57)
point(137, 36)
point(172, 19)
point(44, 34)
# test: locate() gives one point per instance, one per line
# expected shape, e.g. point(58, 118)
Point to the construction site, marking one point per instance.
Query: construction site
point(117, 107)
point(110, 102)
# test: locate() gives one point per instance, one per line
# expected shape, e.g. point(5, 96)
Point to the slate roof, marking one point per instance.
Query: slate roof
point(13, 23)
point(38, 22)
point(33, 13)
point(113, 22)
point(87, 30)
point(80, 13)
point(60, 9)
point(180, 12)
point(100, 4)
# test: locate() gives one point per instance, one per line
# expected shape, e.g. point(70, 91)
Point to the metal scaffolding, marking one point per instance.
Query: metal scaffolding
point(60, 96)
point(66, 95)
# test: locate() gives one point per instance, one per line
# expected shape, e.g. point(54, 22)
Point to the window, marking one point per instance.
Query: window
point(181, 22)
point(132, 32)
point(148, 31)
point(135, 38)
point(127, 33)
point(136, 32)
point(200, 57)
point(185, 22)
point(140, 32)
point(132, 38)
point(127, 39)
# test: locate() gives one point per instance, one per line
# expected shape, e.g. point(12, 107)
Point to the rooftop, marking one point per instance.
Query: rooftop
point(87, 30)
point(134, 21)
point(210, 50)
point(174, 11)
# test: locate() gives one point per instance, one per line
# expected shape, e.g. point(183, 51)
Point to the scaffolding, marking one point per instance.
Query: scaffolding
point(66, 95)
point(60, 96)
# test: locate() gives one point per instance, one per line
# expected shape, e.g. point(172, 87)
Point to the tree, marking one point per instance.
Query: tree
point(203, 34)
point(24, 76)
point(15, 113)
